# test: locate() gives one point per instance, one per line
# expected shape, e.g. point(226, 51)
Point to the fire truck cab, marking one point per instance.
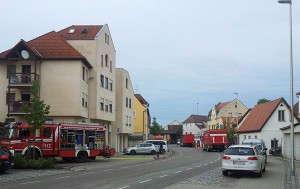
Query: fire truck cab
point(69, 141)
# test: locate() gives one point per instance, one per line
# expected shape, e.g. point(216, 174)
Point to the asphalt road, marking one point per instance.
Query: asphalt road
point(144, 173)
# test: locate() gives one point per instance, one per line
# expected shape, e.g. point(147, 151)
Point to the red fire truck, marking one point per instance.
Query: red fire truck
point(68, 141)
point(214, 140)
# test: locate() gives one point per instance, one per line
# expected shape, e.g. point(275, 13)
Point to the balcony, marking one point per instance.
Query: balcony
point(16, 107)
point(22, 80)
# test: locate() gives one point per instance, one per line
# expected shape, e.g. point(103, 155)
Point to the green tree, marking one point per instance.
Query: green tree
point(36, 111)
point(262, 100)
point(231, 135)
point(155, 129)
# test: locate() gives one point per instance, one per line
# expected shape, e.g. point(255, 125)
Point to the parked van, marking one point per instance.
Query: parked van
point(157, 144)
point(260, 143)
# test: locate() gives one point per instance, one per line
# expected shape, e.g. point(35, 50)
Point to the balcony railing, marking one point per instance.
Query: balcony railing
point(19, 79)
point(16, 107)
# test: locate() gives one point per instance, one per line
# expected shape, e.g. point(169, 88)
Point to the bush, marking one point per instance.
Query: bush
point(41, 163)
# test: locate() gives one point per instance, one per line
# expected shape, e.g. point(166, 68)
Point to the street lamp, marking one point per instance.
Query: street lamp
point(291, 84)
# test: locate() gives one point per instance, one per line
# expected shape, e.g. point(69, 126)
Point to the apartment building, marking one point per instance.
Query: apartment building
point(76, 71)
point(123, 126)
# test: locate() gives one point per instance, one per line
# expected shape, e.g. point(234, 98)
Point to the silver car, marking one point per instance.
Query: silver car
point(243, 158)
point(143, 148)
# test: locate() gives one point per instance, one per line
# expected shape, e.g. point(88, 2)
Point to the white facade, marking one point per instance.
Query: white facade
point(271, 129)
point(123, 126)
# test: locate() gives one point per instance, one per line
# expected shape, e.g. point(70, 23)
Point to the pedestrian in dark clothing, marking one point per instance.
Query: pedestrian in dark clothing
point(161, 148)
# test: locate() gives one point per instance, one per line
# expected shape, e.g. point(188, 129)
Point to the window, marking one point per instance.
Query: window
point(47, 132)
point(230, 114)
point(249, 137)
point(102, 104)
point(126, 102)
point(126, 83)
point(110, 85)
point(102, 80)
point(83, 73)
point(106, 83)
point(110, 107)
point(281, 115)
point(110, 66)
point(255, 136)
point(102, 60)
point(84, 99)
point(10, 97)
point(129, 103)
point(11, 70)
point(23, 133)
point(126, 120)
point(244, 136)
point(106, 60)
point(129, 120)
point(106, 38)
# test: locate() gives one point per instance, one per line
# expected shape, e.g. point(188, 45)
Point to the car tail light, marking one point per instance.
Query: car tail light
point(4, 157)
point(226, 157)
point(252, 158)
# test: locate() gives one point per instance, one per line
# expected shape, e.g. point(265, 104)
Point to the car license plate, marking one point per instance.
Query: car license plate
point(239, 162)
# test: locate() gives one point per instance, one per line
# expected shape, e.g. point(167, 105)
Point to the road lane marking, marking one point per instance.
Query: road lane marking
point(198, 165)
point(88, 173)
point(124, 167)
point(30, 182)
point(108, 170)
point(145, 181)
point(189, 169)
point(124, 187)
point(177, 172)
point(205, 164)
point(62, 177)
point(163, 176)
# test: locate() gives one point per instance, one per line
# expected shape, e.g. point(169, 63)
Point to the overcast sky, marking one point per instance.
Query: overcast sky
point(180, 52)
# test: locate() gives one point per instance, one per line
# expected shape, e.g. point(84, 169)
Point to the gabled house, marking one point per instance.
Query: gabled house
point(195, 124)
point(172, 132)
point(142, 120)
point(124, 124)
point(75, 68)
point(226, 114)
point(264, 122)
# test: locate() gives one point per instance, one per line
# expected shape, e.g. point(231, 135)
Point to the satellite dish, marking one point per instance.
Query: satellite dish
point(25, 54)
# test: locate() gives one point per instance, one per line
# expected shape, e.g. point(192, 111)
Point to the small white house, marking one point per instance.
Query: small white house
point(195, 124)
point(264, 122)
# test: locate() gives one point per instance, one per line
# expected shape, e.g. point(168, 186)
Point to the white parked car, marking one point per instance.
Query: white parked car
point(157, 144)
point(243, 158)
point(143, 148)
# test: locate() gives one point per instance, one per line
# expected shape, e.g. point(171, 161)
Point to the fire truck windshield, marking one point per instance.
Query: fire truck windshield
point(8, 133)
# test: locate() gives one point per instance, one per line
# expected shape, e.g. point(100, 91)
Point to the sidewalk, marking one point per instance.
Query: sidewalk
point(277, 176)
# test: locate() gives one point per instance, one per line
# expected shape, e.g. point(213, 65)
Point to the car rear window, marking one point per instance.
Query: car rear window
point(240, 151)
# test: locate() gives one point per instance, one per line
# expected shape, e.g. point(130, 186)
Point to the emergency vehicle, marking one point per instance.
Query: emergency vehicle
point(214, 140)
point(78, 142)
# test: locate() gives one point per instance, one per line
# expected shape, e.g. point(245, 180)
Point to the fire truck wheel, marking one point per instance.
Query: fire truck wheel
point(81, 157)
point(29, 154)
point(132, 152)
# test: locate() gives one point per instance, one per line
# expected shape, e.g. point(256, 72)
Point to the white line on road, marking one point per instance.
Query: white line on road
point(124, 187)
point(178, 172)
point(198, 165)
point(145, 181)
point(108, 170)
point(205, 164)
point(88, 173)
point(30, 182)
point(62, 177)
point(124, 167)
point(163, 176)
point(189, 169)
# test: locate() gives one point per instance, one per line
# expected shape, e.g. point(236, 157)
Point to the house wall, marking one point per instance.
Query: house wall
point(124, 124)
point(286, 143)
point(3, 90)
point(140, 119)
point(190, 128)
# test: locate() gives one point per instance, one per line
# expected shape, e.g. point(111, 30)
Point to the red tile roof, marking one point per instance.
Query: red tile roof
point(92, 31)
point(221, 105)
point(50, 46)
point(259, 116)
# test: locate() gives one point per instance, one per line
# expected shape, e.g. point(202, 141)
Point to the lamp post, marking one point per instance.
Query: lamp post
point(291, 85)
point(237, 117)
